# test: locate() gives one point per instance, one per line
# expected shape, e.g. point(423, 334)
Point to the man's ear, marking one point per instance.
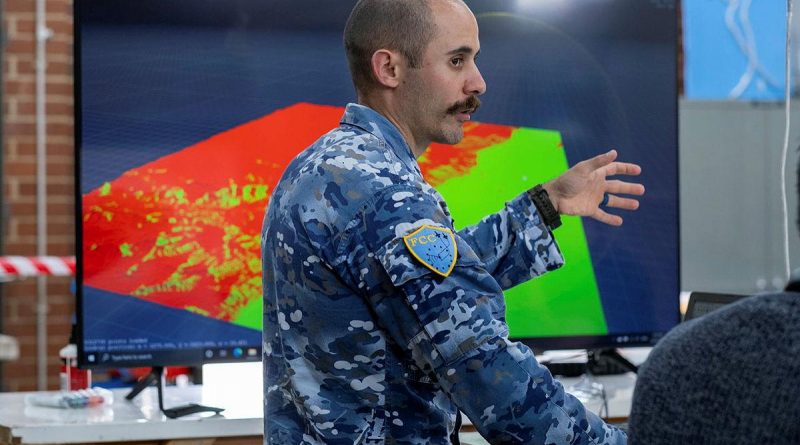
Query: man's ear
point(387, 67)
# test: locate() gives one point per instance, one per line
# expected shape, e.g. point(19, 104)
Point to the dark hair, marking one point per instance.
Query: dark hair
point(405, 26)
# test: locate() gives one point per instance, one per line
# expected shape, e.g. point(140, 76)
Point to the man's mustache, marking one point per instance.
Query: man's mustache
point(470, 104)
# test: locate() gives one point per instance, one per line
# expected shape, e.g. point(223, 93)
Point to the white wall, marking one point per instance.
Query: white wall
point(731, 220)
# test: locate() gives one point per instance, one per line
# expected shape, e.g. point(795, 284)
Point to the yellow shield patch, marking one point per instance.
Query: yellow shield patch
point(434, 247)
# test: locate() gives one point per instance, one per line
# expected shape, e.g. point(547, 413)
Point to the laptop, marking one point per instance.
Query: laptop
point(702, 303)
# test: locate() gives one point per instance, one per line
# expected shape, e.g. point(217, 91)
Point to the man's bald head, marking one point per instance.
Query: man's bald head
point(405, 26)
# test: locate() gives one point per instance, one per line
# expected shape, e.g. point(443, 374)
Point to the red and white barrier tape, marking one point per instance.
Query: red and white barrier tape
point(16, 267)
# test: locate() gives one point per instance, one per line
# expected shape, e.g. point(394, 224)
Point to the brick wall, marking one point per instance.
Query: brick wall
point(19, 175)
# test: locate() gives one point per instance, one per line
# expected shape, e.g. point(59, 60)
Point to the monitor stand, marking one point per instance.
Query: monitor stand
point(157, 375)
point(608, 361)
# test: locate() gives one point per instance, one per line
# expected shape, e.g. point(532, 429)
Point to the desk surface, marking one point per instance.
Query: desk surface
point(125, 421)
point(141, 419)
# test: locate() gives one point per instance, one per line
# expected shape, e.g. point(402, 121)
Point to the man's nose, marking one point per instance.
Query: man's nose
point(475, 84)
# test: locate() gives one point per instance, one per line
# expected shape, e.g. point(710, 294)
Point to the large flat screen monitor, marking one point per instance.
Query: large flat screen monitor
point(189, 110)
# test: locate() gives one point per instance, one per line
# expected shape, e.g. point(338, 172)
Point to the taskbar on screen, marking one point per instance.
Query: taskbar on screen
point(618, 340)
point(187, 357)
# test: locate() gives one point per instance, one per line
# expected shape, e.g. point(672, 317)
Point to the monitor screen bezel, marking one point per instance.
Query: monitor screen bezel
point(538, 343)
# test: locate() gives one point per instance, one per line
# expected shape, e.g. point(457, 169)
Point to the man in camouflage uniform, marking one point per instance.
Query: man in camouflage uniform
point(380, 321)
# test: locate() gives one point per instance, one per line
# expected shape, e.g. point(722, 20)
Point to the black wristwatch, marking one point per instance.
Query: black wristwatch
point(541, 200)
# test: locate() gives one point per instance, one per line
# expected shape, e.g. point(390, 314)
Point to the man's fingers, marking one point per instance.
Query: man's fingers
point(624, 188)
point(607, 218)
point(622, 168)
point(622, 203)
point(600, 161)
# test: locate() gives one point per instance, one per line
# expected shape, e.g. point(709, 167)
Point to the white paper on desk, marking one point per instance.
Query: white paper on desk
point(563, 356)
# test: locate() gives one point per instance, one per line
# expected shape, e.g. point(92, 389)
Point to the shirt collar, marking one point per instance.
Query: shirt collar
point(375, 123)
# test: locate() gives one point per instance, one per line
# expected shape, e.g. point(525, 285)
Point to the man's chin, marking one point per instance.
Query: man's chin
point(451, 134)
point(451, 138)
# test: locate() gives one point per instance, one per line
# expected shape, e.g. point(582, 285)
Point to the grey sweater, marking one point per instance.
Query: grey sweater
point(731, 377)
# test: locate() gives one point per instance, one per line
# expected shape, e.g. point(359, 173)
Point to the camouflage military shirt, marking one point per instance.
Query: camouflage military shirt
point(370, 339)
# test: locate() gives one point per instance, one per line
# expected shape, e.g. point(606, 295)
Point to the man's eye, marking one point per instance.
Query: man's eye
point(457, 61)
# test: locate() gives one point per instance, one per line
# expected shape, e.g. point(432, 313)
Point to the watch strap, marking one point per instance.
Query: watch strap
point(541, 199)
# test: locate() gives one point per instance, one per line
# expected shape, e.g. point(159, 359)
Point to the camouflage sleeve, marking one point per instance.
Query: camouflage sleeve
point(447, 325)
point(514, 244)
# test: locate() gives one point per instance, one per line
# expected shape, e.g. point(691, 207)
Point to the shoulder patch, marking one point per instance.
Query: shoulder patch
point(434, 247)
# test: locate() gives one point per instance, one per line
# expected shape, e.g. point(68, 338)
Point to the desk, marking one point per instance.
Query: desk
point(140, 422)
point(137, 422)
point(619, 394)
